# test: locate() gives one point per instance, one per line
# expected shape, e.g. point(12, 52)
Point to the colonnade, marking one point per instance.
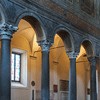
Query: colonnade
point(6, 33)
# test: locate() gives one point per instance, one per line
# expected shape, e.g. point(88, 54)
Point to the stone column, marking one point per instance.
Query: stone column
point(45, 88)
point(6, 32)
point(72, 76)
point(93, 87)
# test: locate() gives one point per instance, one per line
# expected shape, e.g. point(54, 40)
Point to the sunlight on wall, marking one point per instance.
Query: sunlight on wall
point(25, 39)
point(82, 51)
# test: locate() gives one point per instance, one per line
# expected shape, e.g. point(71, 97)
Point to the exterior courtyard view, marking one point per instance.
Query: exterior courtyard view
point(49, 49)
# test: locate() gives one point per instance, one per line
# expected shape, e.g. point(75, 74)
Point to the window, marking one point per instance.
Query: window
point(16, 67)
point(19, 68)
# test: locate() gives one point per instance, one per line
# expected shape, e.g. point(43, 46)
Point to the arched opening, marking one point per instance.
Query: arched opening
point(83, 74)
point(88, 47)
point(24, 43)
point(59, 65)
point(36, 26)
point(67, 40)
point(83, 70)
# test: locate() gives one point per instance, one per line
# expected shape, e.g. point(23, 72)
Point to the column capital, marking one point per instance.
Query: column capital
point(72, 54)
point(45, 45)
point(92, 60)
point(6, 31)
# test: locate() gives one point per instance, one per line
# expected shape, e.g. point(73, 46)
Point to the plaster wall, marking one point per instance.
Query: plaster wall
point(59, 70)
point(81, 81)
point(22, 93)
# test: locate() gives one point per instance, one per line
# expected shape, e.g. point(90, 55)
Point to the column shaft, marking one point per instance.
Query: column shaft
point(45, 93)
point(72, 81)
point(6, 32)
point(5, 70)
point(93, 92)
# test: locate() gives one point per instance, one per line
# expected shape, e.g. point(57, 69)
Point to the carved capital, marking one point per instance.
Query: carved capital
point(72, 54)
point(6, 31)
point(45, 45)
point(92, 60)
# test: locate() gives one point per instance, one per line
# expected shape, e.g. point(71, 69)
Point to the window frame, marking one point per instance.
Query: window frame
point(24, 68)
point(15, 53)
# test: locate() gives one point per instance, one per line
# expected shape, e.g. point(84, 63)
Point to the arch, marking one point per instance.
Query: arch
point(35, 22)
point(88, 46)
point(66, 36)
